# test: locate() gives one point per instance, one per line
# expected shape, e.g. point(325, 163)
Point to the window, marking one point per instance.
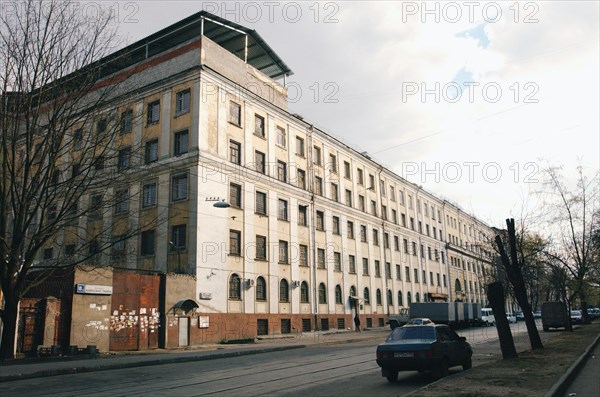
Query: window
point(181, 143)
point(360, 176)
point(318, 185)
point(317, 155)
point(259, 126)
point(350, 228)
point(281, 171)
point(235, 242)
point(124, 158)
point(126, 121)
point(235, 287)
point(420, 227)
point(100, 126)
point(375, 237)
point(396, 243)
point(151, 151)
point(365, 266)
point(424, 277)
point(261, 203)
point(363, 233)
point(431, 278)
point(337, 262)
point(394, 216)
point(351, 264)
point(118, 248)
point(374, 207)
point(282, 210)
point(281, 136)
point(153, 113)
point(283, 252)
point(95, 211)
point(320, 220)
point(299, 146)
point(284, 291)
point(388, 270)
point(149, 195)
point(336, 225)
point(407, 273)
point(301, 176)
point(261, 247)
point(235, 152)
point(261, 289)
point(48, 253)
point(320, 258)
point(392, 193)
point(361, 203)
point(302, 212)
point(386, 240)
point(235, 195)
point(384, 212)
point(178, 239)
point(235, 114)
point(400, 300)
point(412, 223)
point(382, 187)
point(121, 201)
point(147, 243)
point(334, 192)
point(347, 172)
point(371, 182)
point(338, 295)
point(348, 198)
point(405, 245)
point(322, 294)
point(259, 162)
point(403, 219)
point(332, 163)
point(390, 298)
point(303, 252)
point(182, 102)
point(414, 248)
point(377, 269)
point(367, 296)
point(416, 274)
point(398, 272)
point(304, 292)
point(179, 188)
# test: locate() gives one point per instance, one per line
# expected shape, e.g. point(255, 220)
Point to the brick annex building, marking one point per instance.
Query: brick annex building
point(314, 232)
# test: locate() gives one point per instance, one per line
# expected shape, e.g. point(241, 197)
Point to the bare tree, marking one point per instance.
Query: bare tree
point(574, 215)
point(513, 263)
point(62, 148)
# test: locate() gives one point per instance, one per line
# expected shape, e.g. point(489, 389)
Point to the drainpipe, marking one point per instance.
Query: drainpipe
point(446, 246)
point(381, 194)
point(311, 208)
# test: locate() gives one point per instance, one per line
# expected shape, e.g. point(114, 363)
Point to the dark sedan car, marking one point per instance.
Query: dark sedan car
point(423, 347)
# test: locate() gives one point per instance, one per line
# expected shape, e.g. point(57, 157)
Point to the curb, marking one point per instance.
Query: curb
point(563, 383)
point(158, 361)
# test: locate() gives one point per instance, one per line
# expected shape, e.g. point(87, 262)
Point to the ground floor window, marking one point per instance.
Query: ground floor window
point(262, 327)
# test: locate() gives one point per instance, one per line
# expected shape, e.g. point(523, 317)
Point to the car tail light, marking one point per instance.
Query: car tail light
point(423, 354)
point(382, 355)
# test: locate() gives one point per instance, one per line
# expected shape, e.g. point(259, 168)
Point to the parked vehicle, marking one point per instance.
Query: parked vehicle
point(433, 347)
point(520, 316)
point(554, 315)
point(487, 316)
point(400, 319)
point(537, 314)
point(511, 318)
point(455, 314)
point(576, 317)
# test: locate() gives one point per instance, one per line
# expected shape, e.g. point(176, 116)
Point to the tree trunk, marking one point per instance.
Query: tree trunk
point(495, 293)
point(9, 329)
point(534, 336)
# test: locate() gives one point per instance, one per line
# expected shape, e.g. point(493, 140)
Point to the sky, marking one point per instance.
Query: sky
point(471, 100)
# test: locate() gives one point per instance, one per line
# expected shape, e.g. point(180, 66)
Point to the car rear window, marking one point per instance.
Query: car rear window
point(408, 333)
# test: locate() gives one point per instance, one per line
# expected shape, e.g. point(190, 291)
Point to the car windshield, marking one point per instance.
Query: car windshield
point(575, 313)
point(408, 333)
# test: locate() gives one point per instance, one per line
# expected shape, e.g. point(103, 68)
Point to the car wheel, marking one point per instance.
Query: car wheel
point(467, 364)
point(392, 376)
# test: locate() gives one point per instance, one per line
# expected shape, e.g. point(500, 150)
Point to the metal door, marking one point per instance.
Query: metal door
point(183, 331)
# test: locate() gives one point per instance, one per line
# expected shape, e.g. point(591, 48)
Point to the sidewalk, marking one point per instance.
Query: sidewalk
point(117, 360)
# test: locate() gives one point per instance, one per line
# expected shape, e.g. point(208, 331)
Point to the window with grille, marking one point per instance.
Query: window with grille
point(261, 203)
point(283, 252)
point(235, 152)
point(286, 326)
point(304, 296)
point(306, 326)
point(261, 289)
point(341, 323)
point(322, 293)
point(235, 287)
point(303, 254)
point(235, 246)
point(262, 327)
point(284, 291)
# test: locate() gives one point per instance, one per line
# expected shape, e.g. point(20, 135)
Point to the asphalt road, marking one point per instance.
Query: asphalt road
point(345, 369)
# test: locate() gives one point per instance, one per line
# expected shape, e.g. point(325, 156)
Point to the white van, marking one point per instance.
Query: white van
point(487, 316)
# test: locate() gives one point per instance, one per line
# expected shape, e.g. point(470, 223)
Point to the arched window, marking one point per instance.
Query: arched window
point(417, 297)
point(378, 296)
point(284, 291)
point(400, 300)
point(390, 298)
point(457, 287)
point(408, 299)
point(235, 287)
point(367, 296)
point(304, 292)
point(322, 293)
point(338, 295)
point(352, 291)
point(261, 289)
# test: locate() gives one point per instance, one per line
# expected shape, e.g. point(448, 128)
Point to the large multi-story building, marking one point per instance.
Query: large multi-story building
point(315, 231)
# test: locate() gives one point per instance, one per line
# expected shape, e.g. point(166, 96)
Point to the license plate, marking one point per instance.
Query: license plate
point(400, 355)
